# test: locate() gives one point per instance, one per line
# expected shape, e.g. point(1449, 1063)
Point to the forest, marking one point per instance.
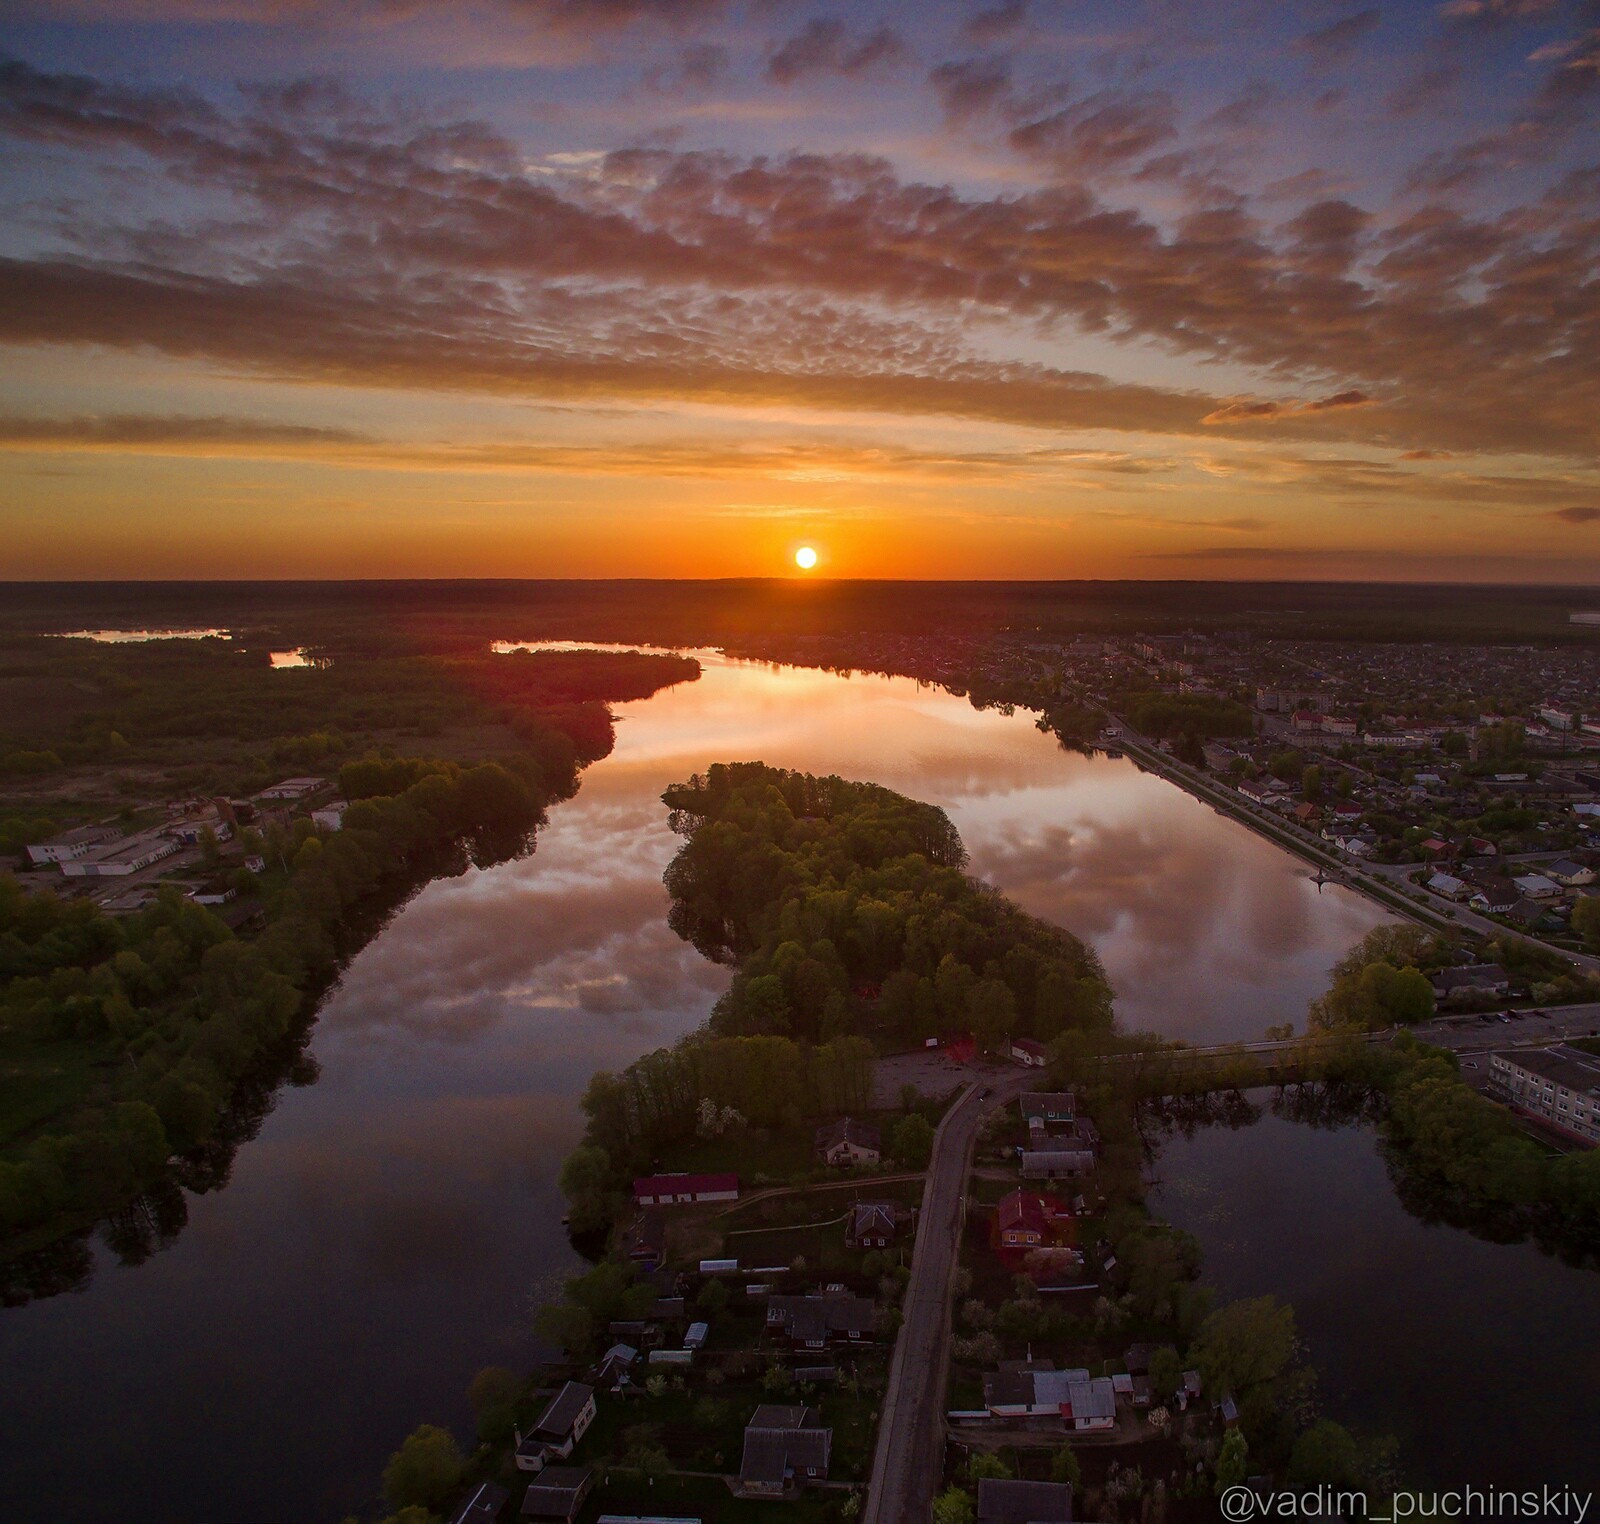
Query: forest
point(846, 909)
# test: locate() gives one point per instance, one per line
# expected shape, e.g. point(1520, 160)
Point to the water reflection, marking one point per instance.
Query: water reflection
point(1456, 1346)
point(379, 1238)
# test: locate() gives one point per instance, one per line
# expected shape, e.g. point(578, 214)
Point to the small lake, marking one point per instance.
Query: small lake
point(388, 1231)
point(1481, 1359)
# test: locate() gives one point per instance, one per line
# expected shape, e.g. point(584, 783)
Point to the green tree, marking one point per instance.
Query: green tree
point(1311, 782)
point(1586, 920)
point(1166, 1372)
point(1325, 1455)
point(953, 1506)
point(987, 1464)
point(493, 1396)
point(424, 1471)
point(913, 1141)
point(586, 1182)
point(713, 1297)
point(1064, 1467)
point(1244, 1344)
point(1233, 1461)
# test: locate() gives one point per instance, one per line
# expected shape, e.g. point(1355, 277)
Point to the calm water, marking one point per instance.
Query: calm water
point(1481, 1359)
point(383, 1237)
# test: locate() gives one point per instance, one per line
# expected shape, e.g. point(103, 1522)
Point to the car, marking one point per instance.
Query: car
point(985, 1093)
point(1469, 1063)
point(1506, 1019)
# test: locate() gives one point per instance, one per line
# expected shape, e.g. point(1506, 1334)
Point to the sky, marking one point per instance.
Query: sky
point(567, 288)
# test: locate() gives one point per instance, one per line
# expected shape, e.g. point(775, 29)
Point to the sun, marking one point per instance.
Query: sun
point(805, 558)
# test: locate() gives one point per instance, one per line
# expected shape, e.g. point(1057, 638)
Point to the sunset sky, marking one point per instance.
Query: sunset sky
point(674, 287)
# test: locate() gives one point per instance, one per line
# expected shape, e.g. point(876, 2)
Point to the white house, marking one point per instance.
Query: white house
point(559, 1428)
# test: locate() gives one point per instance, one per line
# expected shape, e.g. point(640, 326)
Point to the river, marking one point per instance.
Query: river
point(388, 1230)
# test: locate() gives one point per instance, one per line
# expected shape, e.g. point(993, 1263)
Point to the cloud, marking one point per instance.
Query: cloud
point(343, 243)
point(995, 24)
point(828, 46)
point(1338, 41)
point(968, 86)
point(1243, 411)
point(1577, 514)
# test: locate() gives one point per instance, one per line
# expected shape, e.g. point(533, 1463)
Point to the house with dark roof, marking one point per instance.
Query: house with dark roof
point(1463, 983)
point(785, 1447)
point(484, 1505)
point(848, 1142)
point(814, 1322)
point(1005, 1501)
point(558, 1429)
point(1048, 1110)
point(558, 1492)
point(1028, 1053)
point(870, 1225)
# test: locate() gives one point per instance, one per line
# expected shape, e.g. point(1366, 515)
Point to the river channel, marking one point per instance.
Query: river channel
point(388, 1231)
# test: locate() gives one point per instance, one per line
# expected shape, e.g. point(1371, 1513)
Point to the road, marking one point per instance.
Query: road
point(909, 1458)
point(1383, 883)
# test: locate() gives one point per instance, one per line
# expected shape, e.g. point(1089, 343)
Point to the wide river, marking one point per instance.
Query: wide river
point(388, 1232)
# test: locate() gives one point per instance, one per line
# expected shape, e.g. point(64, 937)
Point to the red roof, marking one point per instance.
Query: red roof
point(1030, 1211)
point(684, 1185)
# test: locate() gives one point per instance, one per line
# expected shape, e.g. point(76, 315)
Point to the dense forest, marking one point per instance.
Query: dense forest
point(128, 1040)
point(846, 908)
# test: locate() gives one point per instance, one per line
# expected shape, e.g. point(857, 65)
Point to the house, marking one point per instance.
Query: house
point(1479, 979)
point(1569, 872)
point(667, 1190)
point(483, 1505)
point(291, 788)
point(1491, 896)
point(1434, 847)
point(813, 1322)
point(71, 844)
point(559, 1428)
point(1091, 1405)
point(848, 1142)
point(557, 1493)
point(615, 1364)
point(1447, 884)
point(331, 816)
point(870, 1225)
point(1560, 1085)
point(784, 1447)
point(695, 1336)
point(1027, 1052)
point(1048, 1110)
point(1056, 1163)
point(1028, 1389)
point(1004, 1501)
point(1535, 886)
point(1306, 814)
point(1028, 1220)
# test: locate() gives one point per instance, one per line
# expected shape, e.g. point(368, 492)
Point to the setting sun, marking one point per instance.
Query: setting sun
point(805, 558)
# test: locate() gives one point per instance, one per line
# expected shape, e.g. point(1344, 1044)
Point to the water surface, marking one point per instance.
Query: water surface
point(385, 1234)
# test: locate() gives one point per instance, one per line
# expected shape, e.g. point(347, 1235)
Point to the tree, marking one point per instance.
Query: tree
point(952, 1506)
point(713, 1297)
point(986, 1464)
point(1244, 1344)
point(1166, 1371)
point(1325, 1455)
point(586, 1182)
point(1311, 782)
point(493, 1396)
point(913, 1141)
point(424, 1471)
point(1233, 1462)
point(1064, 1467)
point(1586, 920)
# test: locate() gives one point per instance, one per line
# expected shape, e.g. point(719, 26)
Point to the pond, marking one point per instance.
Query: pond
point(388, 1231)
point(1482, 1359)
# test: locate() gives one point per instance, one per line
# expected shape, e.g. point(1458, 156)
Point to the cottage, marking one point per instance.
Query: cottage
point(1535, 886)
point(813, 1322)
point(848, 1142)
point(559, 1428)
point(1447, 884)
point(668, 1190)
point(331, 816)
point(613, 1371)
point(870, 1225)
point(1056, 1163)
point(1028, 1053)
point(1048, 1110)
point(784, 1447)
point(1029, 1389)
point(484, 1505)
point(1091, 1405)
point(1028, 1220)
point(1002, 1500)
point(1489, 979)
point(1570, 872)
point(558, 1493)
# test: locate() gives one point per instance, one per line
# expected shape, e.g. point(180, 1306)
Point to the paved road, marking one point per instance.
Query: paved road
point(909, 1459)
point(1375, 880)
